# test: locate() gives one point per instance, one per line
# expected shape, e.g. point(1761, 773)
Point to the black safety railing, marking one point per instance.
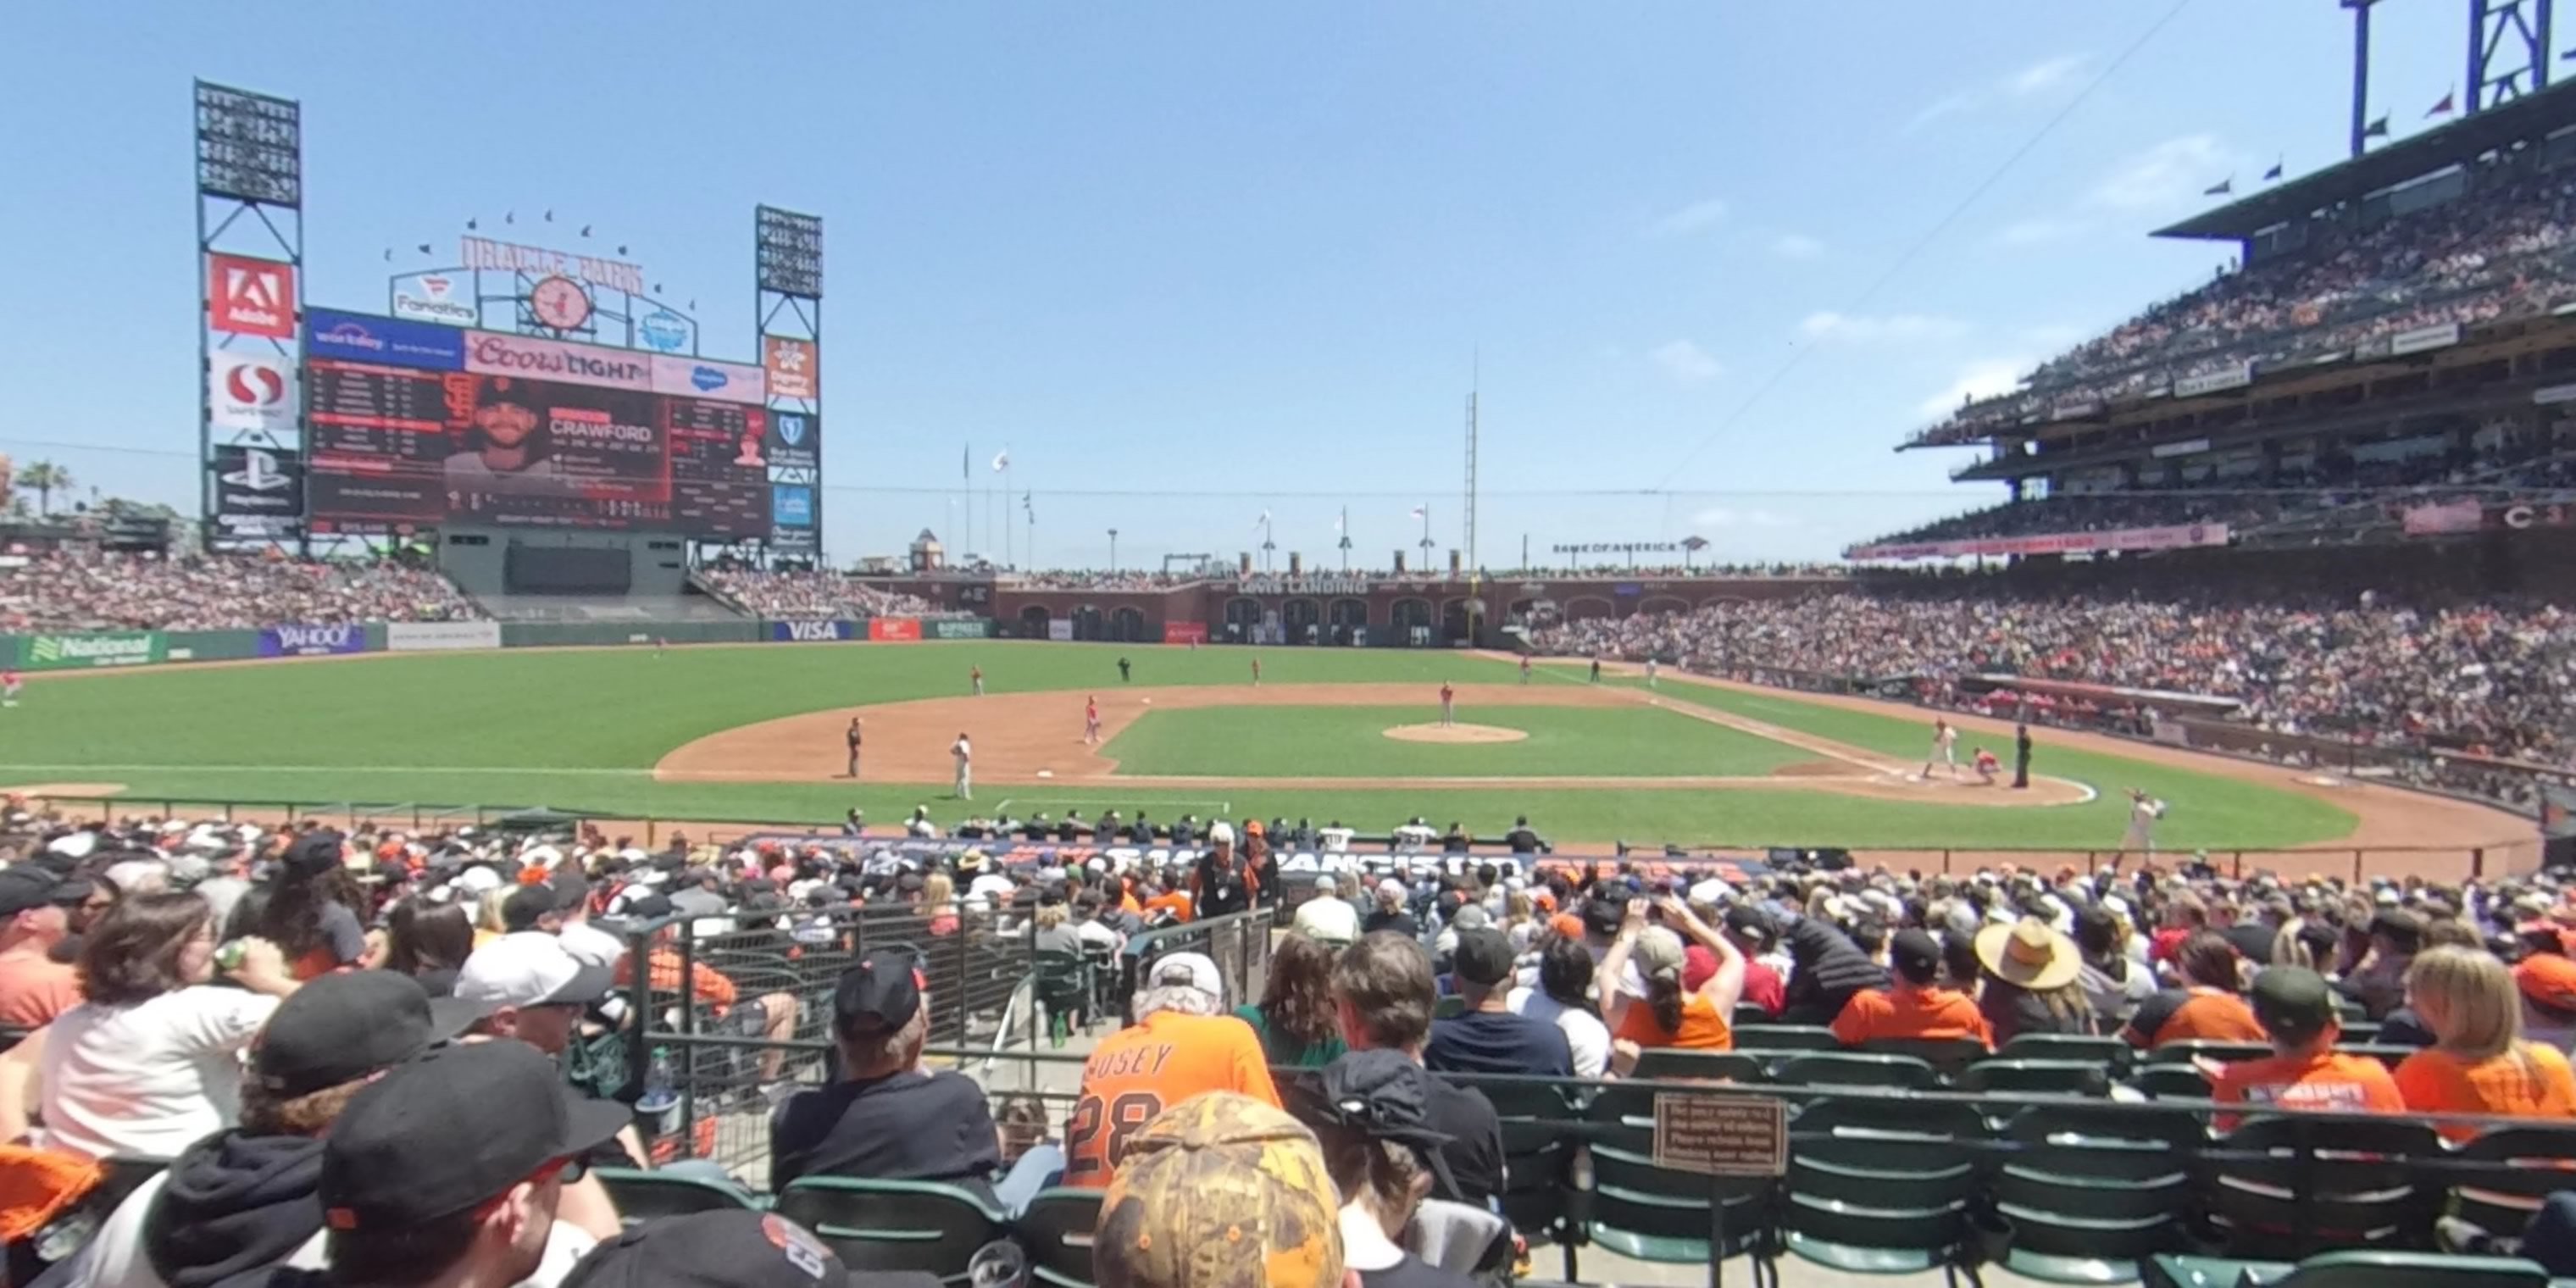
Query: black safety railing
point(719, 1018)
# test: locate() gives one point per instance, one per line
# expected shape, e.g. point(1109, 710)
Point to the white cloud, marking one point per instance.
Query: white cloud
point(1797, 246)
point(1685, 362)
point(1896, 328)
point(1983, 378)
point(2042, 77)
point(1689, 219)
point(2033, 231)
point(2045, 75)
point(2168, 174)
point(1721, 516)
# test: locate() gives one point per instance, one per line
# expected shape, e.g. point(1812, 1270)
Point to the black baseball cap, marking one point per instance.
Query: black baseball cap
point(315, 853)
point(29, 885)
point(522, 908)
point(451, 1129)
point(728, 1249)
point(882, 992)
point(341, 1027)
point(1915, 954)
point(650, 907)
point(1383, 1095)
point(1484, 957)
point(1603, 912)
point(2293, 1004)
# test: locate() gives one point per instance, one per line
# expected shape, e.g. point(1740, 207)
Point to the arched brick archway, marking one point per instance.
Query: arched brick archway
point(1405, 614)
point(1460, 618)
point(1033, 619)
point(1587, 607)
point(1089, 623)
point(1299, 618)
point(1242, 618)
point(1127, 625)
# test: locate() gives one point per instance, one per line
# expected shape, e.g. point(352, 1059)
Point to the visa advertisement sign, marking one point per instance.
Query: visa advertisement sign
point(312, 641)
point(812, 632)
point(392, 342)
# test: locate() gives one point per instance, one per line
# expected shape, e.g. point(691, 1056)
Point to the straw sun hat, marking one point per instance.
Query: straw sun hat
point(2030, 954)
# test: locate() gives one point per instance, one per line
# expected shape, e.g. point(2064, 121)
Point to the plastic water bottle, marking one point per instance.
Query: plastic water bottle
point(661, 1095)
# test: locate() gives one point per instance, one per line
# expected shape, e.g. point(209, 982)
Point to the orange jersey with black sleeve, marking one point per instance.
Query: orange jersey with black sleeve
point(1139, 1071)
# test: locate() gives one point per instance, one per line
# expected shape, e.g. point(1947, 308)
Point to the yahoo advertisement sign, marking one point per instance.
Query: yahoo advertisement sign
point(311, 641)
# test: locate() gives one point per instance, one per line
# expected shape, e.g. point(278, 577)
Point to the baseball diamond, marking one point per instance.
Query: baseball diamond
point(755, 731)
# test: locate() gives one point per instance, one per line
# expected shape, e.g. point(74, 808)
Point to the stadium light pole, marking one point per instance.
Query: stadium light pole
point(2360, 73)
point(1113, 550)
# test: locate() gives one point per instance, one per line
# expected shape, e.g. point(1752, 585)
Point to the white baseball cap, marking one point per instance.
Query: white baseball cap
point(530, 968)
point(1221, 833)
point(1193, 970)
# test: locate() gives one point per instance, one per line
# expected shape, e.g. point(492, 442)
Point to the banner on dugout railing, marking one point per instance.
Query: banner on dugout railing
point(892, 852)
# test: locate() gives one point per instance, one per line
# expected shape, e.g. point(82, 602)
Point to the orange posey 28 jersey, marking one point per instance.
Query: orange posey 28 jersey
point(1139, 1071)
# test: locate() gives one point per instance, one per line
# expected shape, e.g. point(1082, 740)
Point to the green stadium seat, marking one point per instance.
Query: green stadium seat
point(1064, 992)
point(2170, 1082)
point(2044, 1077)
point(2112, 1053)
point(1947, 1056)
point(894, 1225)
point(2186, 1052)
point(2288, 1187)
point(1539, 1142)
point(2091, 1191)
point(2408, 1270)
point(1676, 1064)
point(1883, 1186)
point(1055, 1231)
point(1786, 1037)
point(1855, 1069)
point(648, 1196)
point(1649, 1213)
point(2529, 1164)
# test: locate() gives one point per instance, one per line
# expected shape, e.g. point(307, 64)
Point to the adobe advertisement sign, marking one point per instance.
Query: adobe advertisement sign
point(250, 296)
point(795, 366)
point(259, 491)
point(312, 641)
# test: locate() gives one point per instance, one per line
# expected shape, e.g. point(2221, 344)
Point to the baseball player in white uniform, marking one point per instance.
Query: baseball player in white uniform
point(1945, 748)
point(1650, 673)
point(2144, 810)
point(963, 752)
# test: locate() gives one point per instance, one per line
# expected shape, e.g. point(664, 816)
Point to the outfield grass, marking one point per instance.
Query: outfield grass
point(1350, 742)
point(582, 729)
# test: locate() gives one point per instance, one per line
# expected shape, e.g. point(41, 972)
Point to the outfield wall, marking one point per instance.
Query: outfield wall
point(108, 650)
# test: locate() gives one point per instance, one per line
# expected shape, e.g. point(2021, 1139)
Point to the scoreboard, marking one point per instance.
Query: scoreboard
point(392, 445)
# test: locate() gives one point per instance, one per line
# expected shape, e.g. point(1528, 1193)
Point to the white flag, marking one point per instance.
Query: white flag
point(1002, 460)
point(1419, 511)
point(1265, 518)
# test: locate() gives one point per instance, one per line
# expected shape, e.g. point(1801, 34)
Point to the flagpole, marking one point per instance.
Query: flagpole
point(1006, 513)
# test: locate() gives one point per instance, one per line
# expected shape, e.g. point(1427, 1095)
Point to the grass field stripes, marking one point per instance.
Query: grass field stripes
point(1110, 796)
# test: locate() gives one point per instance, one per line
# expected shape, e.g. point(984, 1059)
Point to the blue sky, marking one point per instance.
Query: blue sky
point(1229, 259)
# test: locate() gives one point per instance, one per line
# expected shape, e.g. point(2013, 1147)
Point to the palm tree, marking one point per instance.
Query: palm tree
point(41, 478)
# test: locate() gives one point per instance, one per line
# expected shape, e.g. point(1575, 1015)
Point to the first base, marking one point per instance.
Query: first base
point(1046, 773)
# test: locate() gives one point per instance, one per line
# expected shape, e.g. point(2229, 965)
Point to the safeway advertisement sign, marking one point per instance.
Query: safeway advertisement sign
point(250, 393)
point(250, 296)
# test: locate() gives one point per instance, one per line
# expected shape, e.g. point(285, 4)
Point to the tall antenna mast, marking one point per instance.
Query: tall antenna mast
point(1475, 378)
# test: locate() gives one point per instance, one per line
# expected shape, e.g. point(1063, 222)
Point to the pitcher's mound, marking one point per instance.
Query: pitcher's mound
point(1455, 733)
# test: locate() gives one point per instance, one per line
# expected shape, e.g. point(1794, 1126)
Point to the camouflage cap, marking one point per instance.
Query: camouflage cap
point(1220, 1191)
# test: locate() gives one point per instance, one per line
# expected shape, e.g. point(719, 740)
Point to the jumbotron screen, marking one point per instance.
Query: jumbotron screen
point(419, 425)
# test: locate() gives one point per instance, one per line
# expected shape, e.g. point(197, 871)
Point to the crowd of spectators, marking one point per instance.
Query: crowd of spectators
point(2498, 250)
point(810, 594)
point(85, 591)
point(348, 1058)
point(2493, 679)
point(2530, 470)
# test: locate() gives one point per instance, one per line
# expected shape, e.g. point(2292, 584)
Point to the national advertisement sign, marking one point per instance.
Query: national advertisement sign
point(795, 366)
point(247, 296)
point(84, 652)
point(2178, 537)
point(495, 354)
point(705, 378)
point(250, 393)
point(443, 298)
point(894, 629)
point(811, 632)
point(433, 637)
point(312, 641)
point(391, 342)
